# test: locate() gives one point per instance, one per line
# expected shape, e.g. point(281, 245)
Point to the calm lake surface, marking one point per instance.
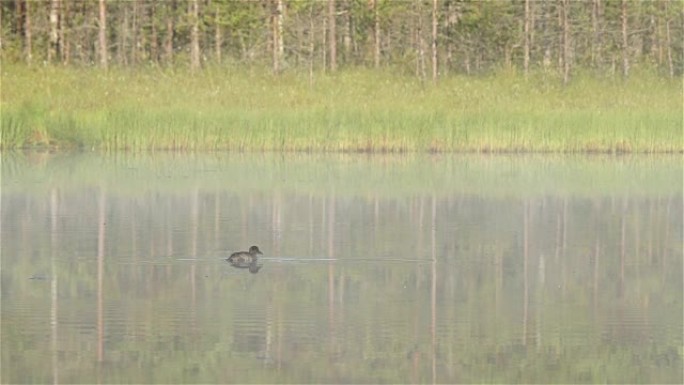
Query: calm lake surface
point(376, 269)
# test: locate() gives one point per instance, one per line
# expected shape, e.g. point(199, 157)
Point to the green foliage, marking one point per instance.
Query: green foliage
point(361, 110)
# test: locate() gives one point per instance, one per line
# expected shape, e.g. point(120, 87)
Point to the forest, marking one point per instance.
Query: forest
point(427, 38)
point(343, 75)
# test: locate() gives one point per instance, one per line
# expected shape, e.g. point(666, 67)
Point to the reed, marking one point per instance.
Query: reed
point(249, 109)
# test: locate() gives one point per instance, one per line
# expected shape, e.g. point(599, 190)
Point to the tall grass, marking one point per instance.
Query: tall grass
point(232, 108)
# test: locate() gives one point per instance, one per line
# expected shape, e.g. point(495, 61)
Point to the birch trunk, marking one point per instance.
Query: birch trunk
point(332, 35)
point(625, 48)
point(102, 35)
point(194, 36)
point(434, 41)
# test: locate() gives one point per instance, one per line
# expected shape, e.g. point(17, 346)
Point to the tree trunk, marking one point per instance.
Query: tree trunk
point(420, 42)
point(277, 36)
point(123, 37)
point(526, 39)
point(332, 35)
point(566, 43)
point(194, 36)
point(596, 16)
point(546, 36)
point(19, 17)
point(434, 41)
point(376, 34)
point(1, 41)
point(154, 38)
point(347, 31)
point(668, 41)
point(625, 48)
point(652, 46)
point(324, 42)
point(561, 8)
point(168, 41)
point(135, 31)
point(532, 27)
point(218, 38)
point(103, 34)
point(141, 37)
point(63, 25)
point(312, 32)
point(53, 43)
point(28, 48)
point(280, 19)
point(466, 62)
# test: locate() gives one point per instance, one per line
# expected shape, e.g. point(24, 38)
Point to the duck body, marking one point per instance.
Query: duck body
point(245, 259)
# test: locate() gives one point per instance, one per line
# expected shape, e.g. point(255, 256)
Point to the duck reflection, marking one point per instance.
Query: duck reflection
point(246, 259)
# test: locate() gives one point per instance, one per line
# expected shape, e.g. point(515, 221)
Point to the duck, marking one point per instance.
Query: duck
point(246, 259)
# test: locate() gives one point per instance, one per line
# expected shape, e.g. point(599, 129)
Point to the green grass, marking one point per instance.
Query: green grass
point(248, 109)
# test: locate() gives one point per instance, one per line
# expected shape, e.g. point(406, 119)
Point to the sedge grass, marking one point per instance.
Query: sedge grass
point(247, 109)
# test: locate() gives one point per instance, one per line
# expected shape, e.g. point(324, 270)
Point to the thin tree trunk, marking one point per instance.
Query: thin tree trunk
point(546, 36)
point(448, 60)
point(526, 40)
point(661, 37)
point(18, 20)
point(376, 35)
point(103, 34)
point(123, 39)
point(467, 60)
point(420, 41)
point(277, 36)
point(54, 31)
point(566, 43)
point(135, 31)
point(168, 41)
point(64, 44)
point(1, 26)
point(218, 38)
point(653, 36)
point(625, 48)
point(596, 16)
point(280, 18)
point(154, 38)
point(28, 48)
point(141, 37)
point(324, 42)
point(332, 35)
point(561, 43)
point(194, 36)
point(668, 41)
point(434, 41)
point(312, 32)
point(532, 27)
point(347, 31)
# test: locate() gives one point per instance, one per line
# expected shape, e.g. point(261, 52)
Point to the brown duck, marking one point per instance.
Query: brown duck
point(246, 259)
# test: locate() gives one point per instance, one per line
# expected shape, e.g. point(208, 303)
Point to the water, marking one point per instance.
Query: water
point(376, 269)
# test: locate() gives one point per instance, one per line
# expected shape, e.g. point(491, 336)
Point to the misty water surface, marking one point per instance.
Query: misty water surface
point(376, 269)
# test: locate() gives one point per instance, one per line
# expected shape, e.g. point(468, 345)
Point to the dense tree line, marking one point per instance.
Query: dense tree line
point(430, 38)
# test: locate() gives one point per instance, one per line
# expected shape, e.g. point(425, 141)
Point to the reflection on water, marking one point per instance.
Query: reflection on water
point(408, 269)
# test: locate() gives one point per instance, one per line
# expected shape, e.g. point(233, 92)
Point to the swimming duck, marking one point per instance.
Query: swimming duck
point(246, 259)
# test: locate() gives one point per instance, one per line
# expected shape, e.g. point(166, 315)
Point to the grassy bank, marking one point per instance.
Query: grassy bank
point(357, 111)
